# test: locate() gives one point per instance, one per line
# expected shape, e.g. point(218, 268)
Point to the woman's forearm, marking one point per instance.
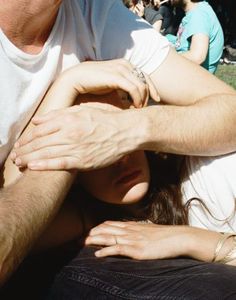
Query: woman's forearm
point(152, 241)
point(202, 244)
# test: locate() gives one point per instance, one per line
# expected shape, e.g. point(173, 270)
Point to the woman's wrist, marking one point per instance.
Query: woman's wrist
point(64, 88)
point(201, 244)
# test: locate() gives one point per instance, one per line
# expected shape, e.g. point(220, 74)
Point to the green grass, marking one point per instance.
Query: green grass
point(227, 73)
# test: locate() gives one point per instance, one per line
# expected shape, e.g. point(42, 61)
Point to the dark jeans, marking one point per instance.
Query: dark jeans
point(88, 277)
point(35, 275)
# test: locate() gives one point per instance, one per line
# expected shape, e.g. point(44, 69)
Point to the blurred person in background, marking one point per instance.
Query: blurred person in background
point(165, 9)
point(146, 11)
point(200, 36)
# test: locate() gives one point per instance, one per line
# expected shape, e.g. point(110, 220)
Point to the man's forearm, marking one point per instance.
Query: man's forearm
point(26, 208)
point(204, 128)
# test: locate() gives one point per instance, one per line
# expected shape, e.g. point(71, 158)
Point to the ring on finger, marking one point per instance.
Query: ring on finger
point(139, 74)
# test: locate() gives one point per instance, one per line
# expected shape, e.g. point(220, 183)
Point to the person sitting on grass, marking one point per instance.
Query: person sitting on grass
point(200, 36)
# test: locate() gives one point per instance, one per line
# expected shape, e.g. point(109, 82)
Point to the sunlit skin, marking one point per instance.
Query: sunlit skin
point(127, 180)
point(124, 182)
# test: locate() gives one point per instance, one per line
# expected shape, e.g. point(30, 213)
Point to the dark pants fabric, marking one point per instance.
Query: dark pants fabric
point(88, 277)
point(35, 275)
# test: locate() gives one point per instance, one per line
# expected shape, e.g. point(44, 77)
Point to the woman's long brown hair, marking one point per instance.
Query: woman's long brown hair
point(161, 205)
point(164, 198)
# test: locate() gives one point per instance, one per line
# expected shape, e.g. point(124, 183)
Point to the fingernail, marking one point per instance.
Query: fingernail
point(17, 145)
point(13, 155)
point(97, 253)
point(35, 119)
point(33, 165)
point(18, 162)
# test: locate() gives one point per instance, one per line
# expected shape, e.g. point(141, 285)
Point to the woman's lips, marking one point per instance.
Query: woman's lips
point(128, 177)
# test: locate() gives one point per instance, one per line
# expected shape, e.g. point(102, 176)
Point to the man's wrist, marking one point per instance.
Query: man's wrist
point(148, 139)
point(139, 127)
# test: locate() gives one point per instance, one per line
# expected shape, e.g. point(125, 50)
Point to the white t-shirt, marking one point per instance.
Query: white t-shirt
point(84, 30)
point(213, 180)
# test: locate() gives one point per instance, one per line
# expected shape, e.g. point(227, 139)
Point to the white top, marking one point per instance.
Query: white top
point(213, 180)
point(84, 30)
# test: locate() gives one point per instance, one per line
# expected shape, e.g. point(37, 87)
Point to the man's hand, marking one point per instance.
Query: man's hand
point(80, 137)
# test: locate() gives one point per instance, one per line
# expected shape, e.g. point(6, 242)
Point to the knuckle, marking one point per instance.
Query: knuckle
point(37, 132)
point(47, 153)
point(138, 253)
point(28, 137)
point(99, 228)
point(138, 256)
point(119, 248)
point(62, 163)
point(35, 145)
point(68, 119)
point(92, 231)
point(108, 222)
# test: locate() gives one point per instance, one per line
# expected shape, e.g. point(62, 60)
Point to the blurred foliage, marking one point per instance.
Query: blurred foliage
point(227, 73)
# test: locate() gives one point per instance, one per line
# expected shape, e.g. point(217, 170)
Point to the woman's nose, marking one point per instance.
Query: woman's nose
point(123, 160)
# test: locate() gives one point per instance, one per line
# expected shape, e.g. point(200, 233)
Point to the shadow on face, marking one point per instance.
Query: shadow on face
point(127, 180)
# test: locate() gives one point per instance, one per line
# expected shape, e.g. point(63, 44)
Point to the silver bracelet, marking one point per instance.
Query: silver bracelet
point(220, 244)
point(231, 255)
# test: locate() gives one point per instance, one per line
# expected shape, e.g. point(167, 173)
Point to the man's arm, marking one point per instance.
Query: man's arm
point(30, 201)
point(202, 114)
point(26, 209)
point(197, 118)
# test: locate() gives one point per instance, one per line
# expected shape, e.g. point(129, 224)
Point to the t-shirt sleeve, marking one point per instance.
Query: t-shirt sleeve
point(162, 10)
point(213, 181)
point(125, 35)
point(152, 16)
point(198, 23)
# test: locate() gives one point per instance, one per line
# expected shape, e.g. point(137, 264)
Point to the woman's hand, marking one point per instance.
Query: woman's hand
point(105, 76)
point(151, 241)
point(138, 240)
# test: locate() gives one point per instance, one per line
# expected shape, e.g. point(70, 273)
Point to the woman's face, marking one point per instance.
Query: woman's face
point(124, 182)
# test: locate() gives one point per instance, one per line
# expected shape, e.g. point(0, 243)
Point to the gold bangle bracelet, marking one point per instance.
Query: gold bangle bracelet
point(220, 244)
point(231, 255)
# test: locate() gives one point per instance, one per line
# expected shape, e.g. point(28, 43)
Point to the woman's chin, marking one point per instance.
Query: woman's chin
point(135, 193)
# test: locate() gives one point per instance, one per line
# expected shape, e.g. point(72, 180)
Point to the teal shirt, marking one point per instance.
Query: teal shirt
point(201, 19)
